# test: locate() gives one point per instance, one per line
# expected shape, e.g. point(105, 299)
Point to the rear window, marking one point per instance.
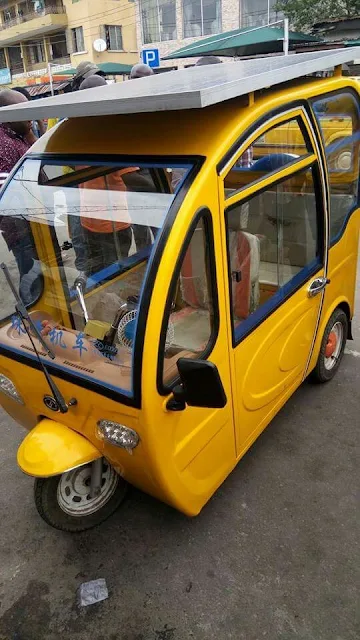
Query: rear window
point(338, 117)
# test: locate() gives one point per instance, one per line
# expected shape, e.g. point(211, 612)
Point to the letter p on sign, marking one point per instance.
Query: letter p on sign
point(151, 57)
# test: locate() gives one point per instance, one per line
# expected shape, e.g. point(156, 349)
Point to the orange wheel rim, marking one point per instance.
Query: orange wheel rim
point(331, 345)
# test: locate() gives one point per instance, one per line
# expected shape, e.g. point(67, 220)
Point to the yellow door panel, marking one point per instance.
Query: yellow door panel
point(271, 361)
point(205, 430)
point(282, 348)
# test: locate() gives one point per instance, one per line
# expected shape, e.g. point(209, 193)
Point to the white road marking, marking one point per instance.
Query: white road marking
point(350, 352)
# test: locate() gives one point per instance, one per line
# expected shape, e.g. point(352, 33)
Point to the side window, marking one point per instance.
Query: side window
point(191, 323)
point(339, 117)
point(272, 244)
point(276, 148)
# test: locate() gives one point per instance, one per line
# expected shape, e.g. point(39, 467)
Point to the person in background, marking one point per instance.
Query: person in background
point(208, 60)
point(38, 126)
point(107, 238)
point(84, 71)
point(140, 70)
point(92, 82)
point(15, 140)
point(15, 137)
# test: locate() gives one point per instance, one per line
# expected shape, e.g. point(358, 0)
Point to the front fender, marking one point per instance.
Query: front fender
point(51, 448)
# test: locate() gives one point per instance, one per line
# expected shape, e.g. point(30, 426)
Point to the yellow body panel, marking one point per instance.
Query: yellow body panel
point(51, 449)
point(183, 457)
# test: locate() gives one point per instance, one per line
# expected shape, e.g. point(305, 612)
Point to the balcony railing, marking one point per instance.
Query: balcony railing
point(20, 19)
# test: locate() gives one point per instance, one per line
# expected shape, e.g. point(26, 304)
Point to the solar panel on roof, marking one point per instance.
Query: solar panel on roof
point(192, 88)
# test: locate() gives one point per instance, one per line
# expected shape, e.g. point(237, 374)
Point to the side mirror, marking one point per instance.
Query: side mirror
point(200, 386)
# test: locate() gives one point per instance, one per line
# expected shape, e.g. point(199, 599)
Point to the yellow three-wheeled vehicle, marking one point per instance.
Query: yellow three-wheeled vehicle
point(168, 279)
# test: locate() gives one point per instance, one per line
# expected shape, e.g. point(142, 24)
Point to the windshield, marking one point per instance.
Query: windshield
point(76, 237)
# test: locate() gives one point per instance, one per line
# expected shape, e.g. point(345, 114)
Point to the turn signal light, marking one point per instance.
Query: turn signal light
point(8, 387)
point(117, 435)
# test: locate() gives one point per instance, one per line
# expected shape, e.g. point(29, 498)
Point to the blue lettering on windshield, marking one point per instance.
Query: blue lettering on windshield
point(79, 344)
point(16, 323)
point(56, 338)
point(39, 325)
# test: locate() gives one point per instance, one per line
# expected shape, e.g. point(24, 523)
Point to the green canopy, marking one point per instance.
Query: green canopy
point(109, 68)
point(115, 68)
point(242, 42)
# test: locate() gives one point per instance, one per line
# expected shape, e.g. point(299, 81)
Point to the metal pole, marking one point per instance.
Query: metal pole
point(268, 12)
point(51, 79)
point(286, 36)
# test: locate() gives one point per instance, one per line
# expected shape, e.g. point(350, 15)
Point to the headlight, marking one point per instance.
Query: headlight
point(8, 387)
point(117, 435)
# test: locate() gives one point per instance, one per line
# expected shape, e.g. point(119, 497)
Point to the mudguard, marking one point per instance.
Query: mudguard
point(51, 448)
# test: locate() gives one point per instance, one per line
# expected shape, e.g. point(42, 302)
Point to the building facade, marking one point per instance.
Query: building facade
point(171, 24)
point(34, 33)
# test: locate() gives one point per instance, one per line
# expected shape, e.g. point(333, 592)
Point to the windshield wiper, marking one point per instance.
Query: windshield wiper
point(23, 313)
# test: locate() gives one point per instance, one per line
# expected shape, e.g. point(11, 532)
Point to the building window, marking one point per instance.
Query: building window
point(36, 52)
point(16, 61)
point(22, 10)
point(78, 39)
point(113, 37)
point(201, 17)
point(58, 47)
point(158, 19)
point(2, 59)
point(254, 13)
point(9, 14)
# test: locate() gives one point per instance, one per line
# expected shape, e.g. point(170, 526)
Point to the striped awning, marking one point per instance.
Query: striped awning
point(37, 90)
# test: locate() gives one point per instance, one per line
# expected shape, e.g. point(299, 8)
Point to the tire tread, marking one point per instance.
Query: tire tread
point(45, 497)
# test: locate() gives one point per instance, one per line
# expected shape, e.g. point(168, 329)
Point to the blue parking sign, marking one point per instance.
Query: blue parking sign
point(151, 57)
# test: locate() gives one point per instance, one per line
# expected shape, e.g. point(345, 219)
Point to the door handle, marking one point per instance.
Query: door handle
point(316, 286)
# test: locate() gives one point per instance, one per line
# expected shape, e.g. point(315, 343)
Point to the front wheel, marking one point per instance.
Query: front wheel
point(65, 502)
point(332, 347)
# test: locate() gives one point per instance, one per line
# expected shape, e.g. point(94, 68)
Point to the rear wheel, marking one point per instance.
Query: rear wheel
point(65, 502)
point(332, 347)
